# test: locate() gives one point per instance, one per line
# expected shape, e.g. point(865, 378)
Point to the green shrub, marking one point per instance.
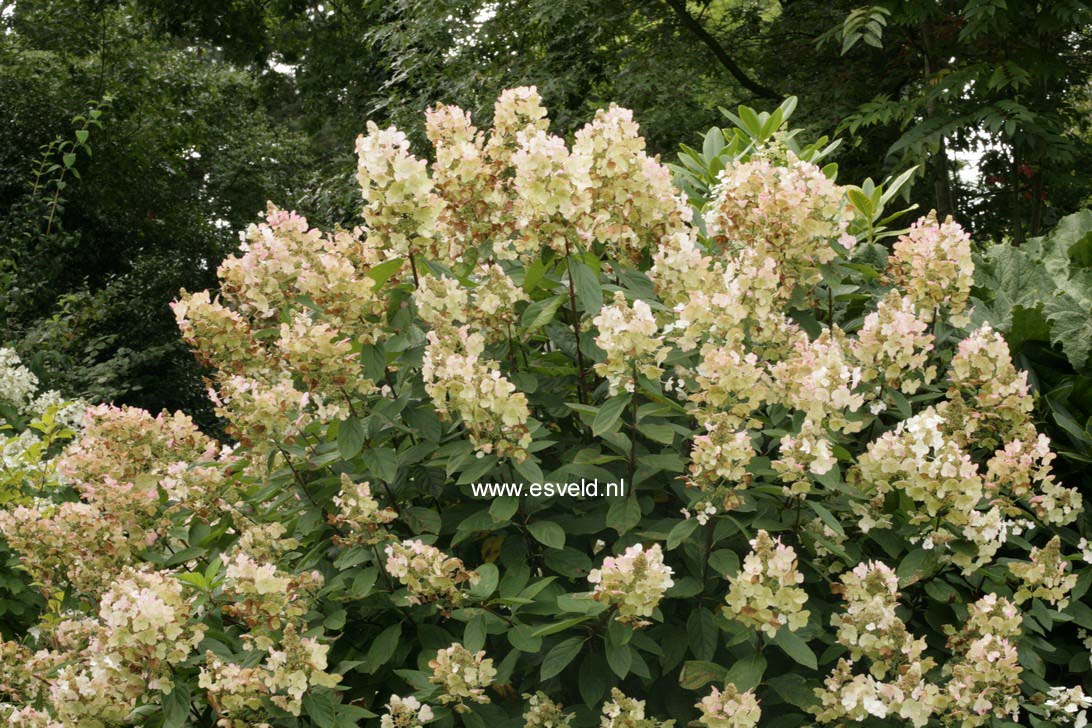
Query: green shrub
point(836, 507)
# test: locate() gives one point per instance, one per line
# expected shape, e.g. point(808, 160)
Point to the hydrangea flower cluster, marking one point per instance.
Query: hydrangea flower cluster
point(869, 627)
point(1046, 576)
point(241, 693)
point(785, 210)
point(932, 264)
point(633, 583)
point(450, 340)
point(766, 593)
point(428, 573)
point(461, 382)
point(629, 336)
point(544, 713)
point(729, 708)
point(462, 675)
point(360, 513)
point(719, 459)
point(622, 711)
point(408, 712)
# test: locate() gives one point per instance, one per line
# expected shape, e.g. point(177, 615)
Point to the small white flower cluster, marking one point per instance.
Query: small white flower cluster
point(406, 712)
point(1068, 706)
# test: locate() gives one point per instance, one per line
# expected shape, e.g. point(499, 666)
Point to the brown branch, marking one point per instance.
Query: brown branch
point(695, 27)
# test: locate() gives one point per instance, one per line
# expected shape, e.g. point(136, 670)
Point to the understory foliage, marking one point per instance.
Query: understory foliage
point(837, 507)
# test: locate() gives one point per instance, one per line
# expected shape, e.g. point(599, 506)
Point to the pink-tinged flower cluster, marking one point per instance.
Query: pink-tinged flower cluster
point(633, 201)
point(766, 594)
point(869, 626)
point(401, 208)
point(633, 582)
point(428, 573)
point(487, 306)
point(789, 212)
point(989, 400)
point(932, 264)
point(917, 458)
point(462, 676)
point(729, 708)
point(893, 345)
point(622, 711)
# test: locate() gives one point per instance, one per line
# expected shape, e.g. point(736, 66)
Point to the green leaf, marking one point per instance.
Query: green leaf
point(746, 674)
point(176, 705)
point(350, 438)
point(321, 707)
point(558, 658)
point(503, 508)
point(680, 532)
point(82, 135)
point(623, 514)
point(696, 674)
point(548, 533)
point(592, 679)
point(540, 313)
point(488, 577)
point(619, 658)
point(522, 637)
point(589, 293)
point(609, 413)
point(384, 271)
point(914, 566)
point(795, 647)
point(382, 648)
point(703, 633)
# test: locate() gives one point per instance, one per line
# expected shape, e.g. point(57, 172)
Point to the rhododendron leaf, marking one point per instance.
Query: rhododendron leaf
point(559, 657)
point(795, 647)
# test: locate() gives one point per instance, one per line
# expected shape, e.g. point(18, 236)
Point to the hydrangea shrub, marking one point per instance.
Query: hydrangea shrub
point(836, 507)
